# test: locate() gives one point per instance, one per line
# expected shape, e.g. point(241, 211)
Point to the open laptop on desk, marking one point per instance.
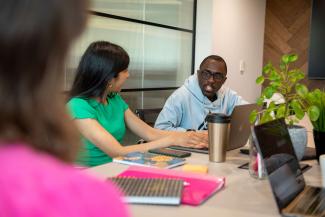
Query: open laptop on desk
point(292, 196)
point(239, 129)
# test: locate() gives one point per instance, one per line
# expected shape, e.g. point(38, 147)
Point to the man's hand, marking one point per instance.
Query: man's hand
point(193, 139)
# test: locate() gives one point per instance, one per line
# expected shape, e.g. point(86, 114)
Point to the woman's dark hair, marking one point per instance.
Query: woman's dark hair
point(34, 39)
point(101, 62)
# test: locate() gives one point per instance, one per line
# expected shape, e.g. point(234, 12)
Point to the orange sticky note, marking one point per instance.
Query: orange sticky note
point(195, 168)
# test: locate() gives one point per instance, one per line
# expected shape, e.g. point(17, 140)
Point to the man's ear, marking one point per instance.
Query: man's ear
point(224, 80)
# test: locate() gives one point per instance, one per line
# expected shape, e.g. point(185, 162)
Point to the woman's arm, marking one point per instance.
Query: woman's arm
point(146, 132)
point(142, 129)
point(94, 132)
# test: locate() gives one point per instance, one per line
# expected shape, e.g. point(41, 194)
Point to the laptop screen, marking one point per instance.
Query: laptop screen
point(240, 125)
point(239, 129)
point(274, 144)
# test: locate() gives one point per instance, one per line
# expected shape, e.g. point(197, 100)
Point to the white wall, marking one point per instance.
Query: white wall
point(204, 31)
point(233, 29)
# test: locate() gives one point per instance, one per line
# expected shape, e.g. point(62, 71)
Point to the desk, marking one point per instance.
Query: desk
point(242, 195)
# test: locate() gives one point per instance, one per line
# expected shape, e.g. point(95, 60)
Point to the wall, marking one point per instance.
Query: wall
point(204, 31)
point(288, 32)
point(233, 29)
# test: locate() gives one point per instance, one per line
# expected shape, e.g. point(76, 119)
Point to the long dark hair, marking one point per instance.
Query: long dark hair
point(101, 62)
point(34, 39)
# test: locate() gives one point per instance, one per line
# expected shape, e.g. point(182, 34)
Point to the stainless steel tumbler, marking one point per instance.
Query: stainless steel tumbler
point(218, 132)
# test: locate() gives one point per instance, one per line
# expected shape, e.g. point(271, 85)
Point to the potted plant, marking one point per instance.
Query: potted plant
point(295, 100)
point(317, 98)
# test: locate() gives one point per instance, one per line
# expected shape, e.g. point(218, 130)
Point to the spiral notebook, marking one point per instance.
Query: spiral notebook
point(162, 191)
point(198, 187)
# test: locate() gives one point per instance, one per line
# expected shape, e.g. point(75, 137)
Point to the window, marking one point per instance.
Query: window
point(157, 34)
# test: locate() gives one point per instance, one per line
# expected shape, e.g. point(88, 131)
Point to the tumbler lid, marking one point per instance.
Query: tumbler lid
point(217, 118)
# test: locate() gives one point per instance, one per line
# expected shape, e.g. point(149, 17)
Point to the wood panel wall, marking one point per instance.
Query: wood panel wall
point(287, 29)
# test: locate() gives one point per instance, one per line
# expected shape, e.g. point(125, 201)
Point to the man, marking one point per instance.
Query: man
point(201, 93)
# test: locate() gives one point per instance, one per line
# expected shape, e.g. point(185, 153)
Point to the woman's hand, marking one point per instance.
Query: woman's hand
point(191, 139)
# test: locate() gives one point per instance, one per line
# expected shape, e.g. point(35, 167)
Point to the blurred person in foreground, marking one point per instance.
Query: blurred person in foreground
point(37, 140)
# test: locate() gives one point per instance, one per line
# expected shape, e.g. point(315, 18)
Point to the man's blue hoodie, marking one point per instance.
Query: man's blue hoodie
point(187, 107)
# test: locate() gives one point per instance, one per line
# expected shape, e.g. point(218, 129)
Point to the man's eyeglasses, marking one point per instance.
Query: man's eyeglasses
point(217, 76)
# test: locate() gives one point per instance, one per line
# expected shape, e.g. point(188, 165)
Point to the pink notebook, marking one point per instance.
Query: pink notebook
point(198, 188)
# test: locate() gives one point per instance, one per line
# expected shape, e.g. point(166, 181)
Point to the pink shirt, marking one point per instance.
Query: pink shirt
point(34, 184)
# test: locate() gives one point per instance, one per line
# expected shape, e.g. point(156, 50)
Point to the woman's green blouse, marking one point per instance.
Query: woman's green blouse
point(109, 116)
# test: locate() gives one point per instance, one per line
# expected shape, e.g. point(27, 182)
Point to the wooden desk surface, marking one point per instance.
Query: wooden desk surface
point(242, 195)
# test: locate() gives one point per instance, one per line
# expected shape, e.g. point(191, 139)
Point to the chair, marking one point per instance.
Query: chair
point(148, 115)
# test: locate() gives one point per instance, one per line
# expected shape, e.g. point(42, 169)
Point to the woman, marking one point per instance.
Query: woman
point(102, 116)
point(37, 140)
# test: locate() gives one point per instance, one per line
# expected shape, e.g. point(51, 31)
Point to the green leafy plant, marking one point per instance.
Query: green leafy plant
point(317, 98)
point(285, 81)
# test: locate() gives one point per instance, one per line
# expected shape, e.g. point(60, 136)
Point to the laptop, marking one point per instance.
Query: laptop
point(293, 197)
point(239, 129)
point(162, 191)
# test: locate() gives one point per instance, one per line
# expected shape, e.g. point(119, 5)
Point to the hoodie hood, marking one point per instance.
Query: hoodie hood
point(191, 84)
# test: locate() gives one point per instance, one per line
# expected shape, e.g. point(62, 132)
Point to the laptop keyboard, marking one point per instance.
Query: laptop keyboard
point(197, 150)
point(310, 202)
